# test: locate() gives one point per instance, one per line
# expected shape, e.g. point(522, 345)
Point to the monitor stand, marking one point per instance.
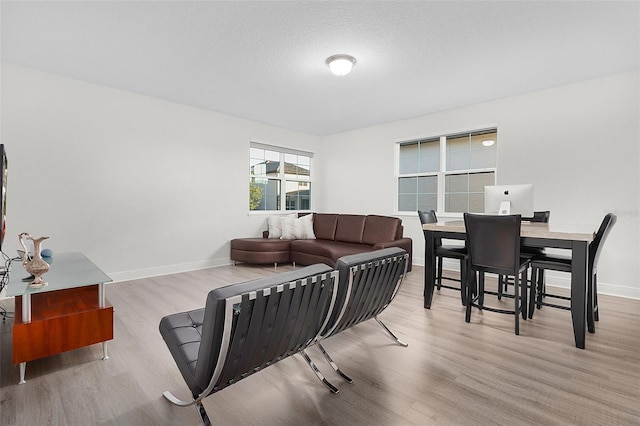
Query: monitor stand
point(505, 208)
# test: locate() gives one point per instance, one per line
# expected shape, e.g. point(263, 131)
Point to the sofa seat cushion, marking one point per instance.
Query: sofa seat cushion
point(328, 249)
point(260, 244)
point(260, 250)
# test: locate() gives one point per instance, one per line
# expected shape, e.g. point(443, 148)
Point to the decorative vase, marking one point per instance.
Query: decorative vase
point(35, 265)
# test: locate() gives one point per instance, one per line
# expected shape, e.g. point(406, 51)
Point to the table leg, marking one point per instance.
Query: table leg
point(429, 267)
point(26, 318)
point(579, 263)
point(23, 367)
point(105, 355)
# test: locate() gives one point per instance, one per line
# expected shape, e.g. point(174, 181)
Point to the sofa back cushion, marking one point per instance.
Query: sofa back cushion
point(380, 229)
point(349, 228)
point(324, 226)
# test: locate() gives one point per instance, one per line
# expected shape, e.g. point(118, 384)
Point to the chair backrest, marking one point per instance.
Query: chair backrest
point(595, 248)
point(494, 243)
point(429, 216)
point(249, 326)
point(542, 217)
point(368, 282)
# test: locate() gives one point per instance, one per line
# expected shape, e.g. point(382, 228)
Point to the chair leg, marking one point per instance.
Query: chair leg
point(333, 364)
point(533, 291)
point(481, 289)
point(471, 282)
point(540, 287)
point(439, 273)
point(203, 414)
point(501, 285)
point(463, 278)
point(177, 401)
point(516, 300)
point(523, 289)
point(318, 374)
point(393, 336)
point(596, 316)
point(591, 325)
point(505, 282)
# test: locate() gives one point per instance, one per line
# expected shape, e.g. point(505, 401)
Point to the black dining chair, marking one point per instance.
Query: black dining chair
point(538, 217)
point(561, 263)
point(446, 251)
point(493, 243)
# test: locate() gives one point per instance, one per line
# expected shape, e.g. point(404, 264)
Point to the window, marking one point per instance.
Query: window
point(273, 169)
point(447, 173)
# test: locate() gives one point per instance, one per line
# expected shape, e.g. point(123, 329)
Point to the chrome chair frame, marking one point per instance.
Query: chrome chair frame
point(290, 331)
point(370, 287)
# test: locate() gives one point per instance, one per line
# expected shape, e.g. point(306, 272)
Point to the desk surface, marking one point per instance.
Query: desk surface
point(528, 229)
point(68, 270)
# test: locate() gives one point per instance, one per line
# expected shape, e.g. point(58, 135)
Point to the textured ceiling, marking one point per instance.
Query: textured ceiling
point(265, 60)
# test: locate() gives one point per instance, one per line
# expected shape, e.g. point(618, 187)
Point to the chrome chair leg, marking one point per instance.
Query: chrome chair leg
point(197, 403)
point(333, 364)
point(203, 414)
point(393, 336)
point(175, 400)
point(318, 374)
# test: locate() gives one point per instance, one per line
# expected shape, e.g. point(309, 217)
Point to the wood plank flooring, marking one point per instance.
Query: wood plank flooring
point(452, 373)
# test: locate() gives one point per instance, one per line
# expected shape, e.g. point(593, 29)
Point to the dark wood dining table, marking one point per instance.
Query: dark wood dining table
point(532, 235)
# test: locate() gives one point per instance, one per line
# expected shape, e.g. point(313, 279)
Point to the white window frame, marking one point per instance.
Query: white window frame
point(442, 172)
point(282, 177)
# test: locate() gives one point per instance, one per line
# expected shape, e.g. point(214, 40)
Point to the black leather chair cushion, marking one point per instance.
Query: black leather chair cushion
point(184, 332)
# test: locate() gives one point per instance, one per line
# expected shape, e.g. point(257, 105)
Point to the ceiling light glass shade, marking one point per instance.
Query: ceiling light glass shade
point(489, 142)
point(341, 64)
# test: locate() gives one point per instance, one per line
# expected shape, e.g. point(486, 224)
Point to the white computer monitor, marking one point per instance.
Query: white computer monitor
point(509, 199)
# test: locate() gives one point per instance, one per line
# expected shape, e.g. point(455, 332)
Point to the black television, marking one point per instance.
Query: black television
point(3, 196)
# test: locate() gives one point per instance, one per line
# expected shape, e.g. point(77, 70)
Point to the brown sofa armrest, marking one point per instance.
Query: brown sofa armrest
point(404, 243)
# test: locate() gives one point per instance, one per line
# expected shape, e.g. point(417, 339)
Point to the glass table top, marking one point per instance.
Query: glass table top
point(67, 270)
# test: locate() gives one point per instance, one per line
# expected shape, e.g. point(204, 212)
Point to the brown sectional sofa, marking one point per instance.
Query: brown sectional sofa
point(336, 235)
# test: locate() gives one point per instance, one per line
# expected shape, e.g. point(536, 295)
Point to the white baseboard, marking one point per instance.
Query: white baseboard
point(167, 270)
point(563, 280)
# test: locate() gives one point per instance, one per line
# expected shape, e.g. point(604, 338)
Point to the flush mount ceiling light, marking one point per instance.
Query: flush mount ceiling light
point(341, 64)
point(489, 142)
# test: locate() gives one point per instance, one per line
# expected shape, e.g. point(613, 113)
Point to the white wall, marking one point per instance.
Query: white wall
point(146, 187)
point(142, 186)
point(578, 144)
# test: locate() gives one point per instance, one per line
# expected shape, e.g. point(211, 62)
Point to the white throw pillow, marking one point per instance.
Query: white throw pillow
point(274, 225)
point(297, 228)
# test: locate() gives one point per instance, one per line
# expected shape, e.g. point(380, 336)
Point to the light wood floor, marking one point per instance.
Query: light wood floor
point(452, 373)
